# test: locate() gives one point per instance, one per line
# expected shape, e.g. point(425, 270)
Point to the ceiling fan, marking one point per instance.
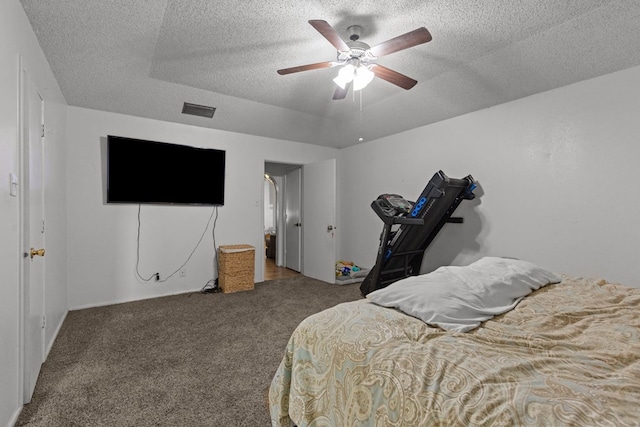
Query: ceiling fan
point(356, 58)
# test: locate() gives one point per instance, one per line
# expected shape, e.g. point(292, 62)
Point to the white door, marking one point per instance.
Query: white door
point(32, 241)
point(293, 221)
point(319, 215)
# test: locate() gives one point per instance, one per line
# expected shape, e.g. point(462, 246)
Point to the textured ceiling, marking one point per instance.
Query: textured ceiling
point(146, 57)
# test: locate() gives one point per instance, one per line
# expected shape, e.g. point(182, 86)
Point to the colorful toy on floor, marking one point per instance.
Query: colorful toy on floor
point(346, 268)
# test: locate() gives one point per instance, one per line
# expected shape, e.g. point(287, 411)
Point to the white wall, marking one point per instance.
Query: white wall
point(18, 40)
point(102, 237)
point(558, 177)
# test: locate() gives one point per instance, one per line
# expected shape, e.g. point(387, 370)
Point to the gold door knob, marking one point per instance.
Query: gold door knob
point(39, 252)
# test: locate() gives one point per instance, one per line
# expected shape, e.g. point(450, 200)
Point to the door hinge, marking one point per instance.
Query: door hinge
point(42, 134)
point(42, 226)
point(44, 321)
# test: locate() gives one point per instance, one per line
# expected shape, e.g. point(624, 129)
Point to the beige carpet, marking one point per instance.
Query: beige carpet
point(185, 360)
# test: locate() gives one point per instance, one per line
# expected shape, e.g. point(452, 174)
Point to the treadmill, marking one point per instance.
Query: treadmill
point(410, 227)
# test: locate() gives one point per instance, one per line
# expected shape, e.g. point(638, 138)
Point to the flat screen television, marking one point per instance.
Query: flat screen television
point(140, 171)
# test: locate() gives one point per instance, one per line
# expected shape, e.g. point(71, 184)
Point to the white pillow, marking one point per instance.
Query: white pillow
point(460, 298)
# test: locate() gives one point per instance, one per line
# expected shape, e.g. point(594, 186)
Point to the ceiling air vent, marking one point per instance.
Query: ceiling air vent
point(198, 110)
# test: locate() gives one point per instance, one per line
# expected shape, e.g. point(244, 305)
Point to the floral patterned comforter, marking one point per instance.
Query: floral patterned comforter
point(568, 354)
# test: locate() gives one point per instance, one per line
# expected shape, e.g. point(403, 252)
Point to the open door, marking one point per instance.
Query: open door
point(319, 219)
point(293, 222)
point(32, 233)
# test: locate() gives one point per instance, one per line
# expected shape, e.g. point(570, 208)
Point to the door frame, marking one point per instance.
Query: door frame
point(303, 218)
point(281, 240)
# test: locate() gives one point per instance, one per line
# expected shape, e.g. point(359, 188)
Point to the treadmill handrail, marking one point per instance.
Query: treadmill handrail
point(408, 221)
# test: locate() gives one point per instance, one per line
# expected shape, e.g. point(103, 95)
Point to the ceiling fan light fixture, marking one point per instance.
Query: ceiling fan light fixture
point(345, 75)
point(362, 77)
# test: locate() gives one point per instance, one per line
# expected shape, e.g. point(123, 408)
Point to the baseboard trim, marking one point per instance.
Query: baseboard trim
point(124, 301)
point(55, 335)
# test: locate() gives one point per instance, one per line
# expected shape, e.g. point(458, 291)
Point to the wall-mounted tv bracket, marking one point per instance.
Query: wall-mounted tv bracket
point(410, 227)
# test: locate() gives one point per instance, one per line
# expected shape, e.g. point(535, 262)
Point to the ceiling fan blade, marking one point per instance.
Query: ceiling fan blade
point(307, 67)
point(341, 93)
point(394, 77)
point(330, 34)
point(410, 39)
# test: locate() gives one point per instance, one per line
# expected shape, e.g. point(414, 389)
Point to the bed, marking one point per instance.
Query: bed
point(568, 353)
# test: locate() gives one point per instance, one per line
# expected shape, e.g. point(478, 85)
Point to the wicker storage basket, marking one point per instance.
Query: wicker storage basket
point(236, 265)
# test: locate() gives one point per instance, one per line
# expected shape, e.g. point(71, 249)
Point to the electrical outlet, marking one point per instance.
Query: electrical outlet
point(183, 272)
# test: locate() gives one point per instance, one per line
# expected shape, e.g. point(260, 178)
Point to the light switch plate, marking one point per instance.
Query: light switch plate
point(13, 185)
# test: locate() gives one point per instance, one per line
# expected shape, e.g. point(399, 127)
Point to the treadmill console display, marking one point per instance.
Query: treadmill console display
point(393, 204)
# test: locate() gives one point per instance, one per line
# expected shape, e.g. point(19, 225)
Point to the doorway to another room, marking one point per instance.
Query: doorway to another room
point(282, 221)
